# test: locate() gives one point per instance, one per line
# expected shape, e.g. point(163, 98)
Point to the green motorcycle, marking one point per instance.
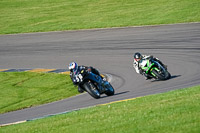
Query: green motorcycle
point(154, 69)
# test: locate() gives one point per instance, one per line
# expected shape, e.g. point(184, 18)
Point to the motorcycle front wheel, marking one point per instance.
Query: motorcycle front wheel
point(91, 89)
point(110, 90)
point(158, 76)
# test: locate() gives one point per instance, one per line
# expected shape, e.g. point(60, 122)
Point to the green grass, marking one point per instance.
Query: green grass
point(172, 112)
point(20, 90)
point(21, 16)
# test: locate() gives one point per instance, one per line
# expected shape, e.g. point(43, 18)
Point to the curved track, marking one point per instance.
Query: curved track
point(110, 51)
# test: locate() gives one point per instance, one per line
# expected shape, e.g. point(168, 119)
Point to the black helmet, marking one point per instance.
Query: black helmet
point(137, 56)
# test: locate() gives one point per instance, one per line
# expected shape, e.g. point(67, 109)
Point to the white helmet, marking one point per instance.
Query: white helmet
point(73, 66)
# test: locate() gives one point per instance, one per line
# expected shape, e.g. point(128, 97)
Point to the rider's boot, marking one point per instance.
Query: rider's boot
point(148, 78)
point(80, 90)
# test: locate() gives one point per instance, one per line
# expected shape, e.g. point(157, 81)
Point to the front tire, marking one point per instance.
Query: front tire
point(91, 89)
point(110, 90)
point(169, 75)
point(158, 76)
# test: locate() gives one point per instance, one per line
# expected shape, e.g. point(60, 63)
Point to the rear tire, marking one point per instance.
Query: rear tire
point(91, 89)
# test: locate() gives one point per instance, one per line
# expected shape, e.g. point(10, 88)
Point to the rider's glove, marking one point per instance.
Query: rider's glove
point(75, 81)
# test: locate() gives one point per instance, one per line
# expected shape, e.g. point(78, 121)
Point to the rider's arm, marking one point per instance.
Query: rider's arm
point(135, 65)
point(73, 78)
point(71, 75)
point(150, 57)
point(147, 56)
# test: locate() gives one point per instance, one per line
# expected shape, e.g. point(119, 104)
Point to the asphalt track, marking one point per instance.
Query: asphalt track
point(110, 51)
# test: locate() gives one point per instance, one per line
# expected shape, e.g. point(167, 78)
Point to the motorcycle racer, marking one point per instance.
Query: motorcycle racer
point(74, 69)
point(138, 58)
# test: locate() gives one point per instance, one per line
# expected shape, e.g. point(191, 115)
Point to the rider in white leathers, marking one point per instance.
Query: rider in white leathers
point(138, 58)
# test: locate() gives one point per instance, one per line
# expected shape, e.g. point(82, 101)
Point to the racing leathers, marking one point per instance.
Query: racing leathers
point(73, 75)
point(137, 66)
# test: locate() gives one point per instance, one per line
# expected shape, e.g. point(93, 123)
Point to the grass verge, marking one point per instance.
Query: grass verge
point(21, 16)
point(20, 90)
point(175, 111)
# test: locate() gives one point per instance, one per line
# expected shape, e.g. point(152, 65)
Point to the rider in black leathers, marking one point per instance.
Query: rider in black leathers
point(74, 69)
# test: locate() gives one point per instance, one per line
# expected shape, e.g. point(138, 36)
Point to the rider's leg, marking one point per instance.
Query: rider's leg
point(80, 89)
